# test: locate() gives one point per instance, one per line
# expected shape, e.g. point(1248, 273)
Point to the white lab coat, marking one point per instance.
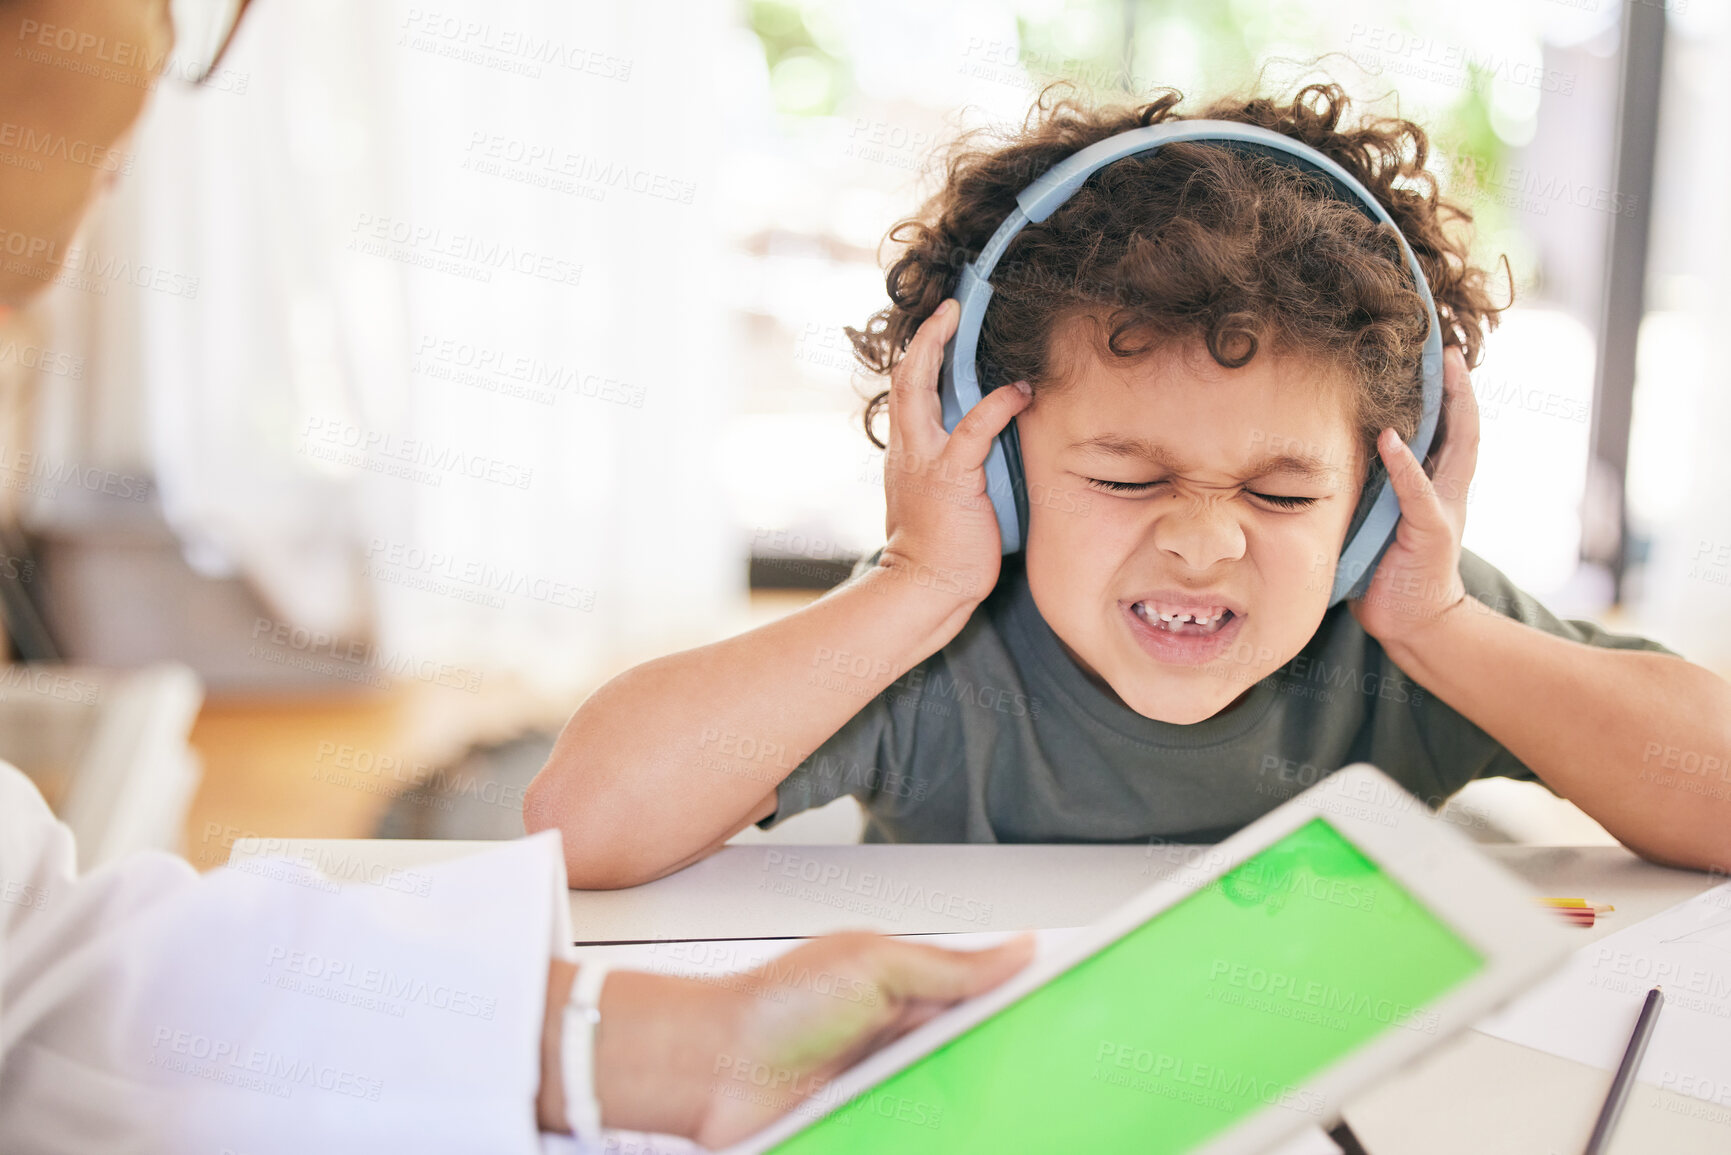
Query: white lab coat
point(146, 1008)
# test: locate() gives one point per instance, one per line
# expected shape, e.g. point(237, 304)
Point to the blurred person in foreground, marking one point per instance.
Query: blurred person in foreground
point(145, 1008)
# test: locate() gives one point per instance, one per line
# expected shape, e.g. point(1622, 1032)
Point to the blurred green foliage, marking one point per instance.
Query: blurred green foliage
point(808, 72)
point(1131, 49)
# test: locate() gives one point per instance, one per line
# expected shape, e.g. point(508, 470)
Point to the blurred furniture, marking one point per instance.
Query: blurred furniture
point(108, 749)
point(166, 611)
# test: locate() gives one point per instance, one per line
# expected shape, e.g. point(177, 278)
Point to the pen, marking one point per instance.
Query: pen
point(1625, 1073)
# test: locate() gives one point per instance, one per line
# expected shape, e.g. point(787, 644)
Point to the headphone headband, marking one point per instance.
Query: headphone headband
point(959, 386)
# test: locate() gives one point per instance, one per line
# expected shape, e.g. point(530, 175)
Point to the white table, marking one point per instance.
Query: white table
point(1474, 1094)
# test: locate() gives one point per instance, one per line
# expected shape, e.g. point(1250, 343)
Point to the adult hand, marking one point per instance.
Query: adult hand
point(720, 1057)
point(819, 1009)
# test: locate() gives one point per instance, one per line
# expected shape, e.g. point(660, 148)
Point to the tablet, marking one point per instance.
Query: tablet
point(1220, 1011)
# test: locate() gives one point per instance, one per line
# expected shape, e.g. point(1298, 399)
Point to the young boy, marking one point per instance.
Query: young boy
point(1208, 358)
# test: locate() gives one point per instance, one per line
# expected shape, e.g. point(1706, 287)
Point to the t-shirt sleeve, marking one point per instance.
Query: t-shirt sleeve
point(848, 762)
point(1459, 744)
point(868, 753)
point(1492, 587)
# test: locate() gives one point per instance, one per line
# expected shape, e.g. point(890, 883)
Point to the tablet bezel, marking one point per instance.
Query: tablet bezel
point(1485, 905)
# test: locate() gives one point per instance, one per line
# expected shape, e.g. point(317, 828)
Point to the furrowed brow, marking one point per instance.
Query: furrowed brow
point(1303, 466)
point(1114, 445)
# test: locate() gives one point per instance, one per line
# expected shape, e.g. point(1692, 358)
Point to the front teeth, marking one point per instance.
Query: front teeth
point(1175, 618)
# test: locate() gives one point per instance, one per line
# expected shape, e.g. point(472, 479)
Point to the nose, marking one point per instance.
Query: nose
point(1200, 531)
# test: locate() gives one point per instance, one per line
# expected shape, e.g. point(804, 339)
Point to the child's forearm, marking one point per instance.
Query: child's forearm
point(1639, 740)
point(671, 758)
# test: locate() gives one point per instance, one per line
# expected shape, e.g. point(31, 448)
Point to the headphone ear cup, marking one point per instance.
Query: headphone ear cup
point(1372, 532)
point(1376, 477)
point(1012, 443)
point(1361, 585)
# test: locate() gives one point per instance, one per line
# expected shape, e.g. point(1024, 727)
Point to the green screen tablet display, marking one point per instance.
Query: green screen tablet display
point(1225, 1002)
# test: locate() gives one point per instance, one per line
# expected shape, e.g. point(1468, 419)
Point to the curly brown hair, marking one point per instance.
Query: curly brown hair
point(1198, 241)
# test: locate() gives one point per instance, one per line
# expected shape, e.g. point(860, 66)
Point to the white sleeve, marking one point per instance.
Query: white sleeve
point(144, 1008)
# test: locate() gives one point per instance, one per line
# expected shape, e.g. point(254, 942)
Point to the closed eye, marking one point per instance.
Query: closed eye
point(1279, 500)
point(1122, 486)
point(1284, 501)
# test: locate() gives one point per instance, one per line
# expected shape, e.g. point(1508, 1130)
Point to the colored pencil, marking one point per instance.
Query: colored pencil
point(1625, 1077)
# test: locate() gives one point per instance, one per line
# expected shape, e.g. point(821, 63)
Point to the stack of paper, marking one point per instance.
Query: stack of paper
point(1586, 1011)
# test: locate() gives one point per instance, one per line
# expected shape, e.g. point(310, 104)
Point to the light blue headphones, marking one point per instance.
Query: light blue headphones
point(959, 386)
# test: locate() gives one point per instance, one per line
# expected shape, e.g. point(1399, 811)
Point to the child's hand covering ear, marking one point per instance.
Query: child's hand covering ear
point(942, 530)
point(1418, 579)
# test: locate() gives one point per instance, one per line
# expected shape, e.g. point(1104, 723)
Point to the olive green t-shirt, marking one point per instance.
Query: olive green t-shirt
point(1000, 736)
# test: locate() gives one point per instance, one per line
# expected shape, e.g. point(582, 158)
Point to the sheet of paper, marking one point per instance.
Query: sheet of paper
point(724, 956)
point(1586, 1011)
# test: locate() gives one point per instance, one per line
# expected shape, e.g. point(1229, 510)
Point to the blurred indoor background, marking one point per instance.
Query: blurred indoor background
point(430, 365)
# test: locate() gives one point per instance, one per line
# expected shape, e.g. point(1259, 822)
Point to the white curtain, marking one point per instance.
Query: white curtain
point(459, 346)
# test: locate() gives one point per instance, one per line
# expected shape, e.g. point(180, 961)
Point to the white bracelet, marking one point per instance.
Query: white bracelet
point(577, 1051)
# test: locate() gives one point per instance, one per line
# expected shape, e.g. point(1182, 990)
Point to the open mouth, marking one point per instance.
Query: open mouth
point(1198, 622)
